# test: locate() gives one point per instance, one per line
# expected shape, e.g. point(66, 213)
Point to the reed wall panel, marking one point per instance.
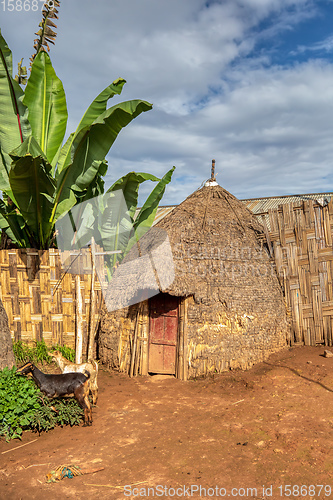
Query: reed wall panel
point(40, 298)
point(301, 236)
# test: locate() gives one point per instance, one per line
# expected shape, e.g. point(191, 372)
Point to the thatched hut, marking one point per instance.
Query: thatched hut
point(220, 306)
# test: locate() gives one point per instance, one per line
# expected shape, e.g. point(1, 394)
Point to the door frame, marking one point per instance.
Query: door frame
point(182, 340)
point(166, 344)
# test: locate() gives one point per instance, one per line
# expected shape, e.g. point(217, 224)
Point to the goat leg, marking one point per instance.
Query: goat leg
point(81, 396)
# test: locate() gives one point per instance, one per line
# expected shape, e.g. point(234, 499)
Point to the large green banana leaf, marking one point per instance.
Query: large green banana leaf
point(115, 225)
point(146, 216)
point(45, 98)
point(96, 187)
point(104, 216)
point(90, 147)
point(96, 108)
point(129, 184)
point(117, 220)
point(79, 225)
point(110, 218)
point(76, 228)
point(14, 225)
point(14, 126)
point(33, 188)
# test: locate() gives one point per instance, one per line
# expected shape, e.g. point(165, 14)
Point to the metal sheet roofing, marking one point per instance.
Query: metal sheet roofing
point(262, 205)
point(160, 214)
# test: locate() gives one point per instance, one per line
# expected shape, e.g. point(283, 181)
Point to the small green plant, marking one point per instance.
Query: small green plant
point(21, 352)
point(57, 412)
point(38, 353)
point(18, 402)
point(66, 351)
point(69, 412)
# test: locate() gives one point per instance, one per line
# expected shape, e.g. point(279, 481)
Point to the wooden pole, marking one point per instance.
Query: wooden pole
point(185, 341)
point(144, 338)
point(93, 298)
point(79, 321)
point(134, 345)
point(212, 176)
point(180, 341)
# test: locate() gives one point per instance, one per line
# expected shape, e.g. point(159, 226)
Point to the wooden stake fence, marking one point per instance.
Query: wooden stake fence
point(302, 241)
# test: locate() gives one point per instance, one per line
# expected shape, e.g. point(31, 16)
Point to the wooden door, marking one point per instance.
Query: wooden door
point(163, 332)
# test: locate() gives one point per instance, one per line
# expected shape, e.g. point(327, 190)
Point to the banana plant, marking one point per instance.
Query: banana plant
point(42, 178)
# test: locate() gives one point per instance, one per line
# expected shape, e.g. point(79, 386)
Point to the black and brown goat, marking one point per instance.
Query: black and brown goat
point(53, 385)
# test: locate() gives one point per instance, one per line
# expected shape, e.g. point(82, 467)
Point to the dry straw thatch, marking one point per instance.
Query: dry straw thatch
point(231, 311)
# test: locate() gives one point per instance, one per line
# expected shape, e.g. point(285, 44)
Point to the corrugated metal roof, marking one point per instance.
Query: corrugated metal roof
point(160, 213)
point(262, 205)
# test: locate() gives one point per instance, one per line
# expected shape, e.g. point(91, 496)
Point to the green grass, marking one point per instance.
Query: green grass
point(38, 353)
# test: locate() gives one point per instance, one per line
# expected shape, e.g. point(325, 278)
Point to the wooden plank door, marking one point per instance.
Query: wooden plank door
point(163, 332)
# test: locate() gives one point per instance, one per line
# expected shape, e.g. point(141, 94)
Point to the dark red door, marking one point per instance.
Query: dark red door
point(163, 330)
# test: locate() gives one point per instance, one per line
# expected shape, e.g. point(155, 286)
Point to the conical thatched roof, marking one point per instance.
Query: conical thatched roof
point(211, 235)
point(209, 240)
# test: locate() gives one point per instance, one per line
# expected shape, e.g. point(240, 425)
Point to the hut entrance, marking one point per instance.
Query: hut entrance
point(163, 333)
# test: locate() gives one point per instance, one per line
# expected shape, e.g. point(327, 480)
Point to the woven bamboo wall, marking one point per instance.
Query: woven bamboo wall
point(40, 298)
point(302, 241)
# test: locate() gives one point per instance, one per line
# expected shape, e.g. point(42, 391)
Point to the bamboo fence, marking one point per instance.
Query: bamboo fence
point(48, 300)
point(301, 237)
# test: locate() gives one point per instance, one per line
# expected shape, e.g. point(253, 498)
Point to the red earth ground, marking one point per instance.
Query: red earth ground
point(260, 434)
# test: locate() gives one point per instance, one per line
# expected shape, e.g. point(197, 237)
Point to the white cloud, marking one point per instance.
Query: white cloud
point(171, 54)
point(270, 133)
point(325, 45)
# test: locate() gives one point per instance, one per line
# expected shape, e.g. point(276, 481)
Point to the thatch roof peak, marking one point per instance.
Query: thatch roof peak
point(211, 222)
point(210, 203)
point(212, 180)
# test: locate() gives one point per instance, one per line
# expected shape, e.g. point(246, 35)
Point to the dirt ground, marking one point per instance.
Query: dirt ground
point(263, 433)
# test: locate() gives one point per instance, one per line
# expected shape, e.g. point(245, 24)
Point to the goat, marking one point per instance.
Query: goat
point(62, 385)
point(69, 367)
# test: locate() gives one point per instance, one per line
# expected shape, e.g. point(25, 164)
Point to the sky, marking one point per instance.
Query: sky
point(248, 83)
